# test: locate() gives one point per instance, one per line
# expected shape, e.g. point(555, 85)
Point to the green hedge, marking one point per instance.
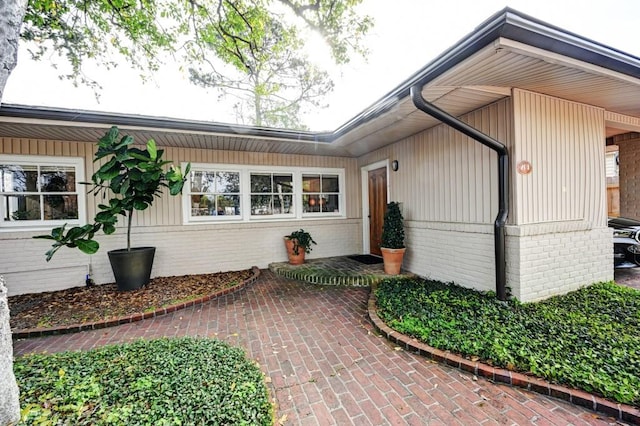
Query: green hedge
point(588, 339)
point(156, 382)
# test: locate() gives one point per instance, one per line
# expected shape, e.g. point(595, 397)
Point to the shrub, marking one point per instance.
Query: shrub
point(588, 339)
point(160, 382)
point(393, 227)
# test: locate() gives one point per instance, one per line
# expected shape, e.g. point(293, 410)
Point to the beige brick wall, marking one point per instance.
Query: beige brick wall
point(542, 260)
point(551, 259)
point(22, 262)
point(461, 253)
point(180, 250)
point(630, 177)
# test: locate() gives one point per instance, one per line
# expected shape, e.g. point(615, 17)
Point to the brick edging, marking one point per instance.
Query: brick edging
point(623, 412)
point(329, 279)
point(139, 316)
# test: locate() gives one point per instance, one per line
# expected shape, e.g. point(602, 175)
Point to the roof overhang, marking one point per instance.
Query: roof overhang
point(509, 50)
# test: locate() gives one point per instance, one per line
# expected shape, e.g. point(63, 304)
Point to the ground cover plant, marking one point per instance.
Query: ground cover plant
point(588, 339)
point(176, 381)
point(81, 305)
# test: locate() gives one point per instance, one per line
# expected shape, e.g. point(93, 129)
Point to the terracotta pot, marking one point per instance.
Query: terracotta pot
point(392, 260)
point(294, 259)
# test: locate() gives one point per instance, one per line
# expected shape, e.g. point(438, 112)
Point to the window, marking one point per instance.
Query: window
point(321, 193)
point(243, 193)
point(215, 193)
point(38, 191)
point(272, 194)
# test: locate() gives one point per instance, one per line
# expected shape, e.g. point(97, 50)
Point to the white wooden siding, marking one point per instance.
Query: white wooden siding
point(445, 176)
point(564, 142)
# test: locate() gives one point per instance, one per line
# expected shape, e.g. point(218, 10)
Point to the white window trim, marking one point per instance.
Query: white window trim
point(39, 160)
point(245, 190)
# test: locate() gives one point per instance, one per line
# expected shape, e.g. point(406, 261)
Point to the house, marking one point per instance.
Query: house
point(524, 208)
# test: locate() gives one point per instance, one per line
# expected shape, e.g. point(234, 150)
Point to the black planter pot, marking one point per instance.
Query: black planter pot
point(132, 268)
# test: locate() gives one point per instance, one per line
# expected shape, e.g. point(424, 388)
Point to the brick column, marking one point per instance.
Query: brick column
point(629, 174)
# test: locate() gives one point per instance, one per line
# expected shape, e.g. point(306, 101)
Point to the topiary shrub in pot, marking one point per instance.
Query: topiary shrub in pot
point(392, 244)
point(131, 179)
point(298, 243)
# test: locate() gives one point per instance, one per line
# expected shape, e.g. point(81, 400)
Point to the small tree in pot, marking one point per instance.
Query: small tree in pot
point(392, 244)
point(132, 178)
point(298, 243)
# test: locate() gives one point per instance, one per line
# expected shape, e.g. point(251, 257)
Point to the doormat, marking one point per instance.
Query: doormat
point(367, 259)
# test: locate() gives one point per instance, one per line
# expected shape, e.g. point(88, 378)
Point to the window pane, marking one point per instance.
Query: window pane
point(329, 203)
point(283, 204)
point(261, 205)
point(19, 178)
point(60, 207)
point(228, 183)
point(57, 179)
point(261, 183)
point(311, 203)
point(283, 183)
point(228, 205)
point(202, 205)
point(22, 207)
point(203, 181)
point(310, 183)
point(330, 183)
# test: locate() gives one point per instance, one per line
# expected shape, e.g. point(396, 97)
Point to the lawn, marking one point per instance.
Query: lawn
point(157, 382)
point(588, 339)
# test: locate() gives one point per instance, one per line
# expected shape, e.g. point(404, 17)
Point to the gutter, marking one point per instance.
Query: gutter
point(503, 180)
point(141, 122)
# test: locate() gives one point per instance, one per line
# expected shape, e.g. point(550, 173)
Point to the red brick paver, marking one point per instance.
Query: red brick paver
point(327, 366)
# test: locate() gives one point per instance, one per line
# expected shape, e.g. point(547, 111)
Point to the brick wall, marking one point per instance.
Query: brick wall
point(446, 252)
point(630, 177)
point(542, 260)
point(551, 259)
point(180, 250)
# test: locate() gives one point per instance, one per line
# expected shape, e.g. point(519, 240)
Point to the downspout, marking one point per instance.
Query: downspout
point(503, 180)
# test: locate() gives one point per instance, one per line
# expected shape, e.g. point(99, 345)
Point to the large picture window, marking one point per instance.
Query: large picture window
point(37, 191)
point(219, 192)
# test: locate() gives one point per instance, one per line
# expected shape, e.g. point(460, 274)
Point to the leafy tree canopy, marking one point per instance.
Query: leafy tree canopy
point(251, 49)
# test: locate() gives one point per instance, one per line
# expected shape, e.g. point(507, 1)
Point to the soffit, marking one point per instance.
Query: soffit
point(513, 64)
point(232, 141)
point(487, 77)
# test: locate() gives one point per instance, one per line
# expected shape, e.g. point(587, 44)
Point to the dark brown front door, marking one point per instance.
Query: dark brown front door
point(377, 207)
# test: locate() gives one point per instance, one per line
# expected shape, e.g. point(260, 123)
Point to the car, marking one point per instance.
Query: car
point(626, 242)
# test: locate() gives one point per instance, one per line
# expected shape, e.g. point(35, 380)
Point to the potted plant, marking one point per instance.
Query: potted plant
point(298, 243)
point(392, 244)
point(131, 178)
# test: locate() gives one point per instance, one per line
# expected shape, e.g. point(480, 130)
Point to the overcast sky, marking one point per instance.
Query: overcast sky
point(407, 35)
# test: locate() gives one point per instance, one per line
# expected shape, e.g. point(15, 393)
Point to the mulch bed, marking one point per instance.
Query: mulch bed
point(81, 305)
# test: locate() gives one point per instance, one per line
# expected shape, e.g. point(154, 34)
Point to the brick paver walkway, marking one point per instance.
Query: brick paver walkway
point(327, 367)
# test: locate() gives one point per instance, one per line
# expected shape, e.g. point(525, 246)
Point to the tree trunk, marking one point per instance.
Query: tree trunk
point(11, 16)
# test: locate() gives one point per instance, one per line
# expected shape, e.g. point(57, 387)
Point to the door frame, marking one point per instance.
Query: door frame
point(364, 172)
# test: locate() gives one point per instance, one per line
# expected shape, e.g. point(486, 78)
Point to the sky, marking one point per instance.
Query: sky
point(407, 35)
